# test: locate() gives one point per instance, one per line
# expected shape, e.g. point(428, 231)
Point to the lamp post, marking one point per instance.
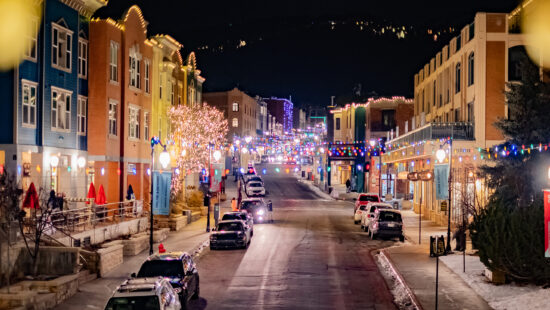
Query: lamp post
point(440, 155)
point(164, 159)
point(210, 146)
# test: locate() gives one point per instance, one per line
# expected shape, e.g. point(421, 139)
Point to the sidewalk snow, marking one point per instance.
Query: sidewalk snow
point(507, 296)
point(397, 288)
point(315, 189)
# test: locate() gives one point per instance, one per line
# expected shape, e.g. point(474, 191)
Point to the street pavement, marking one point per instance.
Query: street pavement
point(311, 257)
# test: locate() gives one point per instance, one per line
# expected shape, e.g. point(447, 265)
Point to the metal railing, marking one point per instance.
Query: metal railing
point(434, 131)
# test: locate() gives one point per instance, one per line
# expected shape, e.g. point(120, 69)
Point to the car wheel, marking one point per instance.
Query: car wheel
point(402, 238)
point(356, 222)
point(197, 290)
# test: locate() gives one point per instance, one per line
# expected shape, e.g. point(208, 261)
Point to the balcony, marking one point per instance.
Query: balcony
point(435, 131)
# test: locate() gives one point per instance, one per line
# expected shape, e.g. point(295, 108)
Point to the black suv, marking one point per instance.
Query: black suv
point(178, 268)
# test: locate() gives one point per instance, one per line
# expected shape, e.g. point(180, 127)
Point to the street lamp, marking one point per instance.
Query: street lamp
point(164, 159)
point(440, 155)
point(248, 139)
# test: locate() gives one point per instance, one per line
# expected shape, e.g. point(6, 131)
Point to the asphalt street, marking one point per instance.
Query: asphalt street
point(311, 257)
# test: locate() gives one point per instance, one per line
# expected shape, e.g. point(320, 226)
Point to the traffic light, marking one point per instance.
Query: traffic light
point(367, 167)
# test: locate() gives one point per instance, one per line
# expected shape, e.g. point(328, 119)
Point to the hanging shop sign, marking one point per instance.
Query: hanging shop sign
point(413, 176)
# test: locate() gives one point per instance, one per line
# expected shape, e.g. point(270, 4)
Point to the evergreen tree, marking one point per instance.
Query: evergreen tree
point(509, 232)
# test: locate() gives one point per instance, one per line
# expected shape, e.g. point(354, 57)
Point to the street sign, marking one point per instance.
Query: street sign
point(444, 205)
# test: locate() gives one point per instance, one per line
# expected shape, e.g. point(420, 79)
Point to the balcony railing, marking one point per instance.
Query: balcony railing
point(435, 131)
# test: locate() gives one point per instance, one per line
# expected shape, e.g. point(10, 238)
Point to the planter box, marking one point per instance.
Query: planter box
point(110, 257)
point(496, 277)
point(195, 216)
point(160, 235)
point(135, 245)
point(51, 292)
point(175, 223)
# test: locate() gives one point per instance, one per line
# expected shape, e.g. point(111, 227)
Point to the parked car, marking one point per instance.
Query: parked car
point(387, 223)
point(364, 199)
point(264, 159)
point(144, 293)
point(240, 215)
point(290, 160)
point(230, 234)
point(178, 268)
point(368, 214)
point(260, 210)
point(254, 188)
point(358, 214)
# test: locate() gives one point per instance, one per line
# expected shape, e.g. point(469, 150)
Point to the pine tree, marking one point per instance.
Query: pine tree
point(509, 232)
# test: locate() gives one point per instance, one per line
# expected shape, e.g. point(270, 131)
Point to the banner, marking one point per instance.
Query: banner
point(161, 193)
point(546, 221)
point(441, 179)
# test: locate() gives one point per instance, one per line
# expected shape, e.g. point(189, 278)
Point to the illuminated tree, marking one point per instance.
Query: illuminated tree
point(193, 129)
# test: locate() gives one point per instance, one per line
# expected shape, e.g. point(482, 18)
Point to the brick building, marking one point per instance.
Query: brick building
point(282, 109)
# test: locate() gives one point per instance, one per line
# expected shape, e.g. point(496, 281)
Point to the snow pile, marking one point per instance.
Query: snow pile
point(315, 189)
point(500, 297)
point(398, 290)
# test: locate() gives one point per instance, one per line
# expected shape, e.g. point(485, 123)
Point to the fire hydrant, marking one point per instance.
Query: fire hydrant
point(161, 248)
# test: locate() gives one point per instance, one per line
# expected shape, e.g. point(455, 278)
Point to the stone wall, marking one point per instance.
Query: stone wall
point(110, 257)
point(136, 244)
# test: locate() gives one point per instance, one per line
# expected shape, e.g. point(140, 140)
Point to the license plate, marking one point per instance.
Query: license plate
point(391, 225)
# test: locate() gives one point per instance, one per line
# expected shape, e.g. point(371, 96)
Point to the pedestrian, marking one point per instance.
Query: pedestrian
point(348, 186)
point(240, 199)
point(460, 237)
point(234, 205)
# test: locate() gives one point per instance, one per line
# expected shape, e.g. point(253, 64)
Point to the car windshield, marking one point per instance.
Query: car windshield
point(234, 226)
point(255, 185)
point(133, 303)
point(247, 205)
point(373, 208)
point(164, 268)
point(231, 217)
point(368, 198)
point(390, 217)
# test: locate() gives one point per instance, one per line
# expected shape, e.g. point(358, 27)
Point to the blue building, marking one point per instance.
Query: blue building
point(43, 124)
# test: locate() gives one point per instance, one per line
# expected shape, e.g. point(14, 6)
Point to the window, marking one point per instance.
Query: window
point(113, 118)
point(192, 93)
point(61, 110)
point(516, 55)
point(81, 111)
point(457, 78)
point(82, 58)
point(146, 125)
point(30, 52)
point(388, 119)
point(458, 42)
point(470, 112)
point(434, 93)
point(180, 91)
point(457, 115)
point(337, 123)
point(160, 127)
point(160, 86)
point(29, 103)
point(235, 107)
point(135, 67)
point(61, 47)
point(147, 81)
point(471, 69)
point(172, 93)
point(113, 63)
point(235, 122)
point(133, 130)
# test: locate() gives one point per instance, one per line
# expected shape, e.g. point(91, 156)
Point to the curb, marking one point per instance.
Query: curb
point(401, 280)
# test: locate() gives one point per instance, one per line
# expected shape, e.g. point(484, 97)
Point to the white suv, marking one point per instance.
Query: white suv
point(368, 214)
point(144, 293)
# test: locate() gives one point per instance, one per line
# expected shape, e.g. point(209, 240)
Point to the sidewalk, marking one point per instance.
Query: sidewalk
point(418, 269)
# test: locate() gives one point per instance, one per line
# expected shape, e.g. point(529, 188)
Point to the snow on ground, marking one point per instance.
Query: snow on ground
point(315, 189)
point(501, 297)
point(400, 294)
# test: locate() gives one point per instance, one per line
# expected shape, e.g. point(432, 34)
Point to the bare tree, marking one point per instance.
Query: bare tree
point(10, 196)
point(34, 227)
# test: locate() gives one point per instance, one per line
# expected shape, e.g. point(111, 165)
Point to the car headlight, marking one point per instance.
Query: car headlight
point(260, 212)
point(177, 290)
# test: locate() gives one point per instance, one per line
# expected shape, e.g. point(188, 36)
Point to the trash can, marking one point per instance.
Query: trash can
point(303, 174)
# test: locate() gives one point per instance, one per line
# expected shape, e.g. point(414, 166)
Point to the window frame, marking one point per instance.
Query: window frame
point(146, 125)
point(471, 72)
point(81, 115)
point(82, 58)
point(113, 66)
point(235, 107)
point(56, 28)
point(30, 85)
point(33, 39)
point(133, 122)
point(458, 77)
point(235, 122)
point(147, 72)
point(134, 68)
point(112, 121)
point(57, 111)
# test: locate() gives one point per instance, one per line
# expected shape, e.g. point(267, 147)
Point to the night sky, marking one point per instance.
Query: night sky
point(308, 49)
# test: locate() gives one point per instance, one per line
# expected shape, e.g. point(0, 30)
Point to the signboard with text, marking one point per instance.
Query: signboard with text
point(441, 180)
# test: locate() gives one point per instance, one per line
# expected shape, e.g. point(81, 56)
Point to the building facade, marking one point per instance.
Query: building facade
point(458, 94)
point(261, 123)
point(299, 121)
point(44, 136)
point(282, 109)
point(239, 109)
point(120, 105)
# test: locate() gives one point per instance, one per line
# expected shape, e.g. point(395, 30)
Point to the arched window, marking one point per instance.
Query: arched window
point(457, 78)
point(235, 122)
point(235, 107)
point(471, 69)
point(516, 55)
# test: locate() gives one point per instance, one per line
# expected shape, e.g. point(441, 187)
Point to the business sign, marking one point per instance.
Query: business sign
point(444, 206)
point(161, 193)
point(546, 221)
point(441, 179)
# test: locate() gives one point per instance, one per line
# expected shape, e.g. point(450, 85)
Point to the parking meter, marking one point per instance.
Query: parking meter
point(216, 213)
